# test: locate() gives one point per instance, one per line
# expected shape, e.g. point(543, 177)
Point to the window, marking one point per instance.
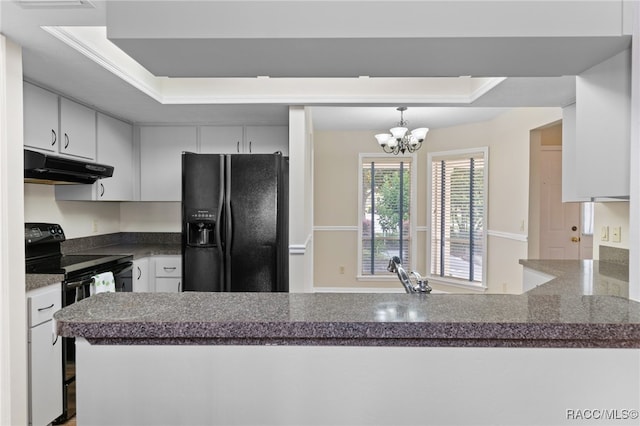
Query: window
point(587, 215)
point(386, 202)
point(458, 199)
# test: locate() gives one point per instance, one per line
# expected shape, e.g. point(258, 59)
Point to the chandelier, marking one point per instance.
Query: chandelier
point(399, 141)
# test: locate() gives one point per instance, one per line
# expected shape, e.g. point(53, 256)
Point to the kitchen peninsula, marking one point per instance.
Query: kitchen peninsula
point(241, 358)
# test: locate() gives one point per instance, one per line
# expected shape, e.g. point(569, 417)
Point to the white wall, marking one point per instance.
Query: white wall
point(150, 217)
point(77, 218)
point(13, 324)
point(87, 218)
point(611, 214)
point(508, 139)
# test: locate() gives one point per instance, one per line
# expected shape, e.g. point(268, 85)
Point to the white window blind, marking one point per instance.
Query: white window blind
point(458, 216)
point(385, 213)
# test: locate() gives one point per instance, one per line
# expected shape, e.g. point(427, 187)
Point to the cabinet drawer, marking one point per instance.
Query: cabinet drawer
point(43, 303)
point(168, 285)
point(169, 266)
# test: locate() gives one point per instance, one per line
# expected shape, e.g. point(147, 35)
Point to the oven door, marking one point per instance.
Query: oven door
point(75, 288)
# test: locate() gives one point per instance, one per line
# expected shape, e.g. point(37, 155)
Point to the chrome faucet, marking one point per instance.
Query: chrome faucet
point(421, 285)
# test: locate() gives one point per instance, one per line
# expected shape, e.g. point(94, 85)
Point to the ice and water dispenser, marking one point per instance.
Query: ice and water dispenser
point(201, 229)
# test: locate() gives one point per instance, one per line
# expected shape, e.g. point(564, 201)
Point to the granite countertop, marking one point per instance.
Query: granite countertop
point(545, 317)
point(581, 277)
point(137, 250)
point(34, 281)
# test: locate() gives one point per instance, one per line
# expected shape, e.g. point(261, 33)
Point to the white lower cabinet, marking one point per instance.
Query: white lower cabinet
point(45, 356)
point(140, 275)
point(168, 274)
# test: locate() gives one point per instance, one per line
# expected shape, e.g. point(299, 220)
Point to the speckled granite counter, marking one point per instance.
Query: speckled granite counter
point(137, 250)
point(546, 320)
point(34, 281)
point(581, 277)
point(136, 244)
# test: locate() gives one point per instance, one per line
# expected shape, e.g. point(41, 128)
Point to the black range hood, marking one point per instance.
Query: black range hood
point(49, 169)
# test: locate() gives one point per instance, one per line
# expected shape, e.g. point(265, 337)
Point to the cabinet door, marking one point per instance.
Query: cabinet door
point(161, 150)
point(40, 118)
point(603, 123)
point(140, 275)
point(77, 130)
point(266, 139)
point(221, 140)
point(45, 374)
point(168, 285)
point(115, 148)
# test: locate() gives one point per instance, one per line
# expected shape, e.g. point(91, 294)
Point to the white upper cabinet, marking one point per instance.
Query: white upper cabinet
point(161, 150)
point(221, 140)
point(77, 130)
point(40, 119)
point(58, 125)
point(244, 140)
point(603, 126)
point(266, 139)
point(115, 148)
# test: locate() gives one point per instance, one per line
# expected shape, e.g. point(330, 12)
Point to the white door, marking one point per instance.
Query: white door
point(560, 223)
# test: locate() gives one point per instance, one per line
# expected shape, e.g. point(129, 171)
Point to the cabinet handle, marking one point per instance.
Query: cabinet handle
point(45, 308)
point(179, 286)
point(55, 339)
point(139, 273)
point(54, 137)
point(169, 268)
point(66, 140)
point(250, 147)
point(101, 189)
point(238, 147)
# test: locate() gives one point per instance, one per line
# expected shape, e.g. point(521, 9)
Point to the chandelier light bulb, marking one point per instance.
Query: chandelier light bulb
point(420, 134)
point(398, 132)
point(383, 138)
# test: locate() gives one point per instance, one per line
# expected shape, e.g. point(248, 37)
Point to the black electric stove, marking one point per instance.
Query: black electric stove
point(44, 256)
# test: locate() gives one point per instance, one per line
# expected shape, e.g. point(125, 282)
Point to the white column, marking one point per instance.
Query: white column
point(634, 172)
point(300, 200)
point(13, 326)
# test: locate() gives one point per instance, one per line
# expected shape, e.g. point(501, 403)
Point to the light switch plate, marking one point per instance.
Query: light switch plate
point(604, 233)
point(615, 234)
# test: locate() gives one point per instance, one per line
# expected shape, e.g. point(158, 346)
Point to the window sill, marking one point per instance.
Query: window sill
point(480, 288)
point(380, 278)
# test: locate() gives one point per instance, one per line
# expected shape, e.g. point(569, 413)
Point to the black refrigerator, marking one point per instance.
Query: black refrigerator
point(235, 222)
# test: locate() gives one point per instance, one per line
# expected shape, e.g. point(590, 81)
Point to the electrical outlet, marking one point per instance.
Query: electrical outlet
point(95, 226)
point(615, 234)
point(604, 233)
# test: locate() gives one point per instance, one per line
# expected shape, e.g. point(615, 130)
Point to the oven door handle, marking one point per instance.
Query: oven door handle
point(77, 284)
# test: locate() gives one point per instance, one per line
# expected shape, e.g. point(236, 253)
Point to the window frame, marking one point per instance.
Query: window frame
point(413, 201)
point(452, 154)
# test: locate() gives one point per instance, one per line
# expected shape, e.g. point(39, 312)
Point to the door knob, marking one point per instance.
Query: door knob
point(575, 239)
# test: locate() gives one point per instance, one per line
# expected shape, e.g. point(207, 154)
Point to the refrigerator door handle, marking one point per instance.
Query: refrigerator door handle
point(217, 229)
point(228, 225)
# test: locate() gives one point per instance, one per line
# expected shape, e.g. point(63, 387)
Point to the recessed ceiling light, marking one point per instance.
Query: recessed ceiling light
point(41, 4)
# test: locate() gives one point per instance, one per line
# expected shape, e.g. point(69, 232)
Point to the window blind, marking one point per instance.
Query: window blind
point(386, 219)
point(457, 219)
